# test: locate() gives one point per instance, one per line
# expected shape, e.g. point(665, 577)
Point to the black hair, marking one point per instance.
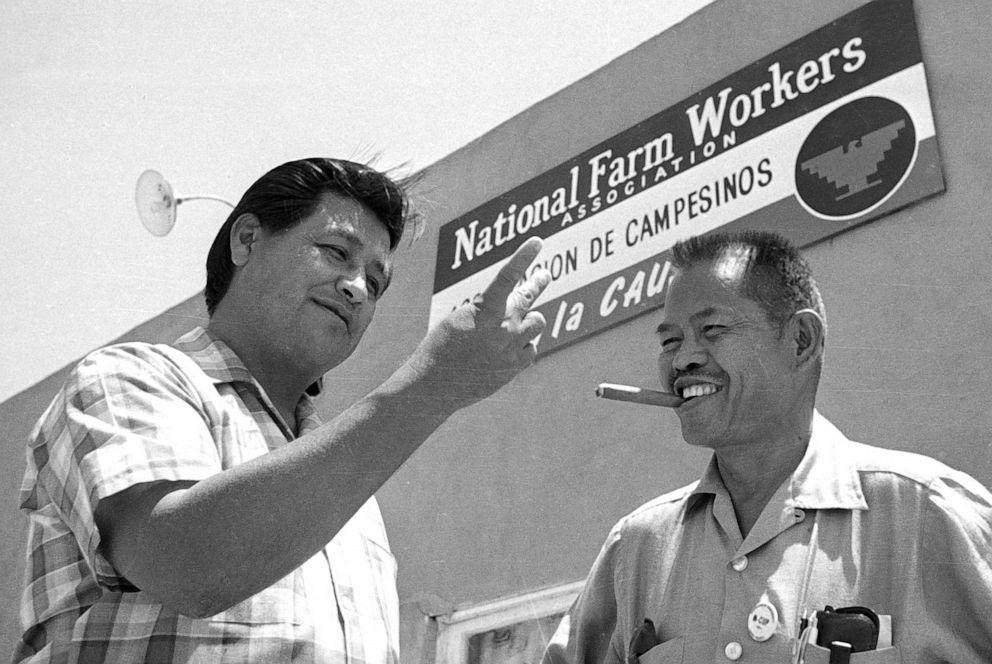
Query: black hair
point(289, 193)
point(776, 275)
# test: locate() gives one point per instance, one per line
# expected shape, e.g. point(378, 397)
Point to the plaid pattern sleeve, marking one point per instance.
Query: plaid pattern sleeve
point(124, 417)
point(137, 413)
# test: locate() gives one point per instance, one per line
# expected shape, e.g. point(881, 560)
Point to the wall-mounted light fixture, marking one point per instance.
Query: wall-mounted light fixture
point(157, 203)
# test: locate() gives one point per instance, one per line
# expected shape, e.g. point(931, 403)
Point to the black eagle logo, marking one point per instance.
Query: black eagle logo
point(852, 166)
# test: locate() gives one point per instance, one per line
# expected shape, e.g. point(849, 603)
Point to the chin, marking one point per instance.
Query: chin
point(698, 434)
point(699, 441)
point(334, 355)
point(329, 361)
point(691, 430)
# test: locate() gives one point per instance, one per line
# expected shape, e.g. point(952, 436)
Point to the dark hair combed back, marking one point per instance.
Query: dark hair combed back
point(776, 276)
point(289, 193)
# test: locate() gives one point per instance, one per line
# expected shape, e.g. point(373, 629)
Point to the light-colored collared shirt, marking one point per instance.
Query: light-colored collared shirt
point(136, 413)
point(899, 533)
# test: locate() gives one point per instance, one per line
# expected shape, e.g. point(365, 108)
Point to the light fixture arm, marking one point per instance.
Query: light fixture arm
point(157, 203)
point(205, 198)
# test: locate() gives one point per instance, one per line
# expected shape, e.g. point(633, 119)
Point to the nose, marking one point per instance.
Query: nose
point(689, 356)
point(353, 287)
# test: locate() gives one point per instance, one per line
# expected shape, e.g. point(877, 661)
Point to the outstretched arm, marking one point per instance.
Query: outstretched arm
point(202, 547)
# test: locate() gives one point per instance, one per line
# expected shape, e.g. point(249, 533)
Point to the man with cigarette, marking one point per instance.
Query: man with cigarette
point(186, 502)
point(796, 544)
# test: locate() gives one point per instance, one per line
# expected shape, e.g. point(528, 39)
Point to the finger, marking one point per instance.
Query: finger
point(532, 325)
point(499, 289)
point(523, 296)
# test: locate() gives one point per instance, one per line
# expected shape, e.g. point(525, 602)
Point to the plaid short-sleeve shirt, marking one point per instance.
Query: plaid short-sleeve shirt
point(135, 413)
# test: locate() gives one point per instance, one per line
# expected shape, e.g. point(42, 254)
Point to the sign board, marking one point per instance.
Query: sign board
point(827, 133)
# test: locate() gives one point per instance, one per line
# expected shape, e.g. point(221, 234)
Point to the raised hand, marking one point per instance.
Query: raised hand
point(482, 345)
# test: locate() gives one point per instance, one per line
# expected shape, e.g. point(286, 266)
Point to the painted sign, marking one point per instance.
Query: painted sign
point(831, 131)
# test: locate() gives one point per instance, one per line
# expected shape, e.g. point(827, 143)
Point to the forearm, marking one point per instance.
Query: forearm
point(209, 545)
point(206, 547)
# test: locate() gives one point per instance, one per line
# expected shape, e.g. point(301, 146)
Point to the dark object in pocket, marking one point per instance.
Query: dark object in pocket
point(855, 625)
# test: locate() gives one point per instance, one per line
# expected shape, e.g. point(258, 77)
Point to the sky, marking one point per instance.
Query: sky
point(214, 94)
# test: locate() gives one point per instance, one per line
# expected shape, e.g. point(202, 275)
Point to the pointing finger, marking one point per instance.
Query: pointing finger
point(494, 298)
point(523, 296)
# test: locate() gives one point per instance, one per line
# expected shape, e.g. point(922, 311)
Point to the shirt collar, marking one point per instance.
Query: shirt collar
point(826, 478)
point(221, 365)
point(215, 357)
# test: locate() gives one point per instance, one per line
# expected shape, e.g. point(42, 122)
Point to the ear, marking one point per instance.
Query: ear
point(807, 332)
point(245, 231)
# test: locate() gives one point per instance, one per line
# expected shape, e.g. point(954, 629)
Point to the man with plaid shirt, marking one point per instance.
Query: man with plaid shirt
point(186, 502)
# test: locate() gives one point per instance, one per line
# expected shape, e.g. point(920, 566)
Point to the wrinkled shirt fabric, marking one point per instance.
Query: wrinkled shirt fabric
point(855, 525)
point(136, 413)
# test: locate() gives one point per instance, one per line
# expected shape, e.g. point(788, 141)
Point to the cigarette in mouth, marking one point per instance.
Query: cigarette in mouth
point(638, 395)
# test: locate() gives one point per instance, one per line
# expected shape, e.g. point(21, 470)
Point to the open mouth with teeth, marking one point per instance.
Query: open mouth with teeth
point(699, 390)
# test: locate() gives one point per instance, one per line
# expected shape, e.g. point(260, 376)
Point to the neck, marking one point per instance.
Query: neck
point(282, 385)
point(753, 472)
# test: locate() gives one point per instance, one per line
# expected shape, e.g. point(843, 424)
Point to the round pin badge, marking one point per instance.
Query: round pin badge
point(762, 622)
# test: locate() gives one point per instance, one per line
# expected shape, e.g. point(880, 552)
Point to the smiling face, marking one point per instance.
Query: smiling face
point(720, 351)
point(308, 293)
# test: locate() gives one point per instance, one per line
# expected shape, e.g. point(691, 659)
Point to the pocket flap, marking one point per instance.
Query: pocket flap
point(669, 652)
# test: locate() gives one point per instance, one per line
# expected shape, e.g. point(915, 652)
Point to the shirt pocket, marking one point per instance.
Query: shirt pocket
point(669, 652)
point(819, 655)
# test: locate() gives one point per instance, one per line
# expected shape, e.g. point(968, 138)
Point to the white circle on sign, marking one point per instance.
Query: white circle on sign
point(762, 622)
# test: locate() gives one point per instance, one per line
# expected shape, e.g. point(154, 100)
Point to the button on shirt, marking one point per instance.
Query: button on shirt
point(854, 525)
point(136, 413)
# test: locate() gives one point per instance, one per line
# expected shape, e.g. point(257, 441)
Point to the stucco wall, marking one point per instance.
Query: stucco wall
point(518, 493)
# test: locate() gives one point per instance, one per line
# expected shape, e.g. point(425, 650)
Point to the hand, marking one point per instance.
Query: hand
point(482, 345)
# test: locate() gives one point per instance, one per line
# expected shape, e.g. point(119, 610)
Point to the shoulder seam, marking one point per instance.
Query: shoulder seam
point(665, 499)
